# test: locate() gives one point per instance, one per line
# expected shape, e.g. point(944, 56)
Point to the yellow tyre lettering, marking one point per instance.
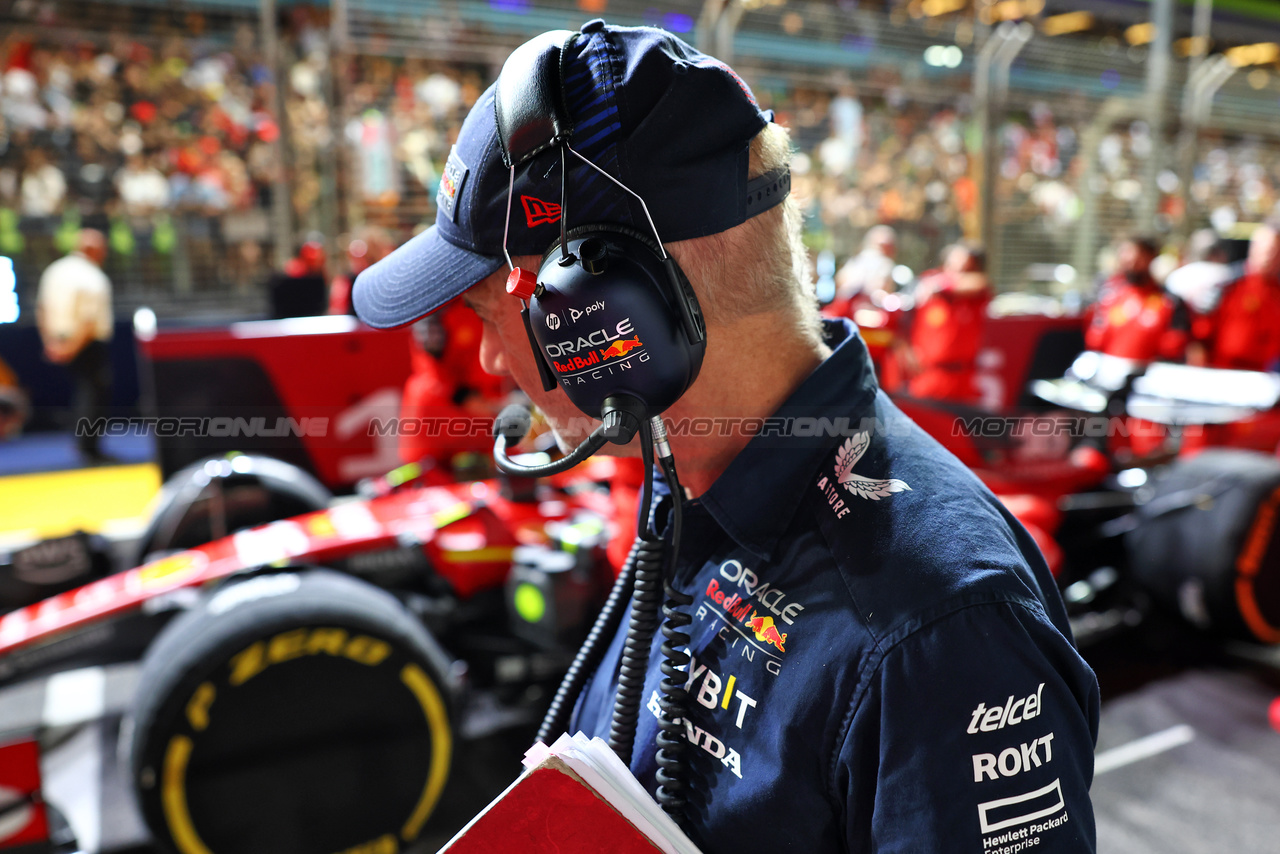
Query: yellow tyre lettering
point(441, 747)
point(247, 664)
point(198, 706)
point(173, 797)
point(287, 646)
point(331, 641)
point(385, 844)
point(366, 650)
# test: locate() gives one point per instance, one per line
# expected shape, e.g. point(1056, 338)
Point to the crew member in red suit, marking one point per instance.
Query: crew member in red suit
point(309, 261)
point(946, 329)
point(449, 401)
point(367, 247)
point(1244, 331)
point(865, 293)
point(1135, 318)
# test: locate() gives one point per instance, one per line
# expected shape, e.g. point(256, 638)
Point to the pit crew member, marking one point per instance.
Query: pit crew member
point(1135, 318)
point(947, 325)
point(1244, 332)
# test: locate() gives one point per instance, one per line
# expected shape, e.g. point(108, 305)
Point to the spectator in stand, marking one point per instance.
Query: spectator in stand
point(142, 187)
point(73, 315)
point(19, 101)
point(1199, 282)
point(1135, 318)
point(947, 326)
point(1244, 331)
point(44, 188)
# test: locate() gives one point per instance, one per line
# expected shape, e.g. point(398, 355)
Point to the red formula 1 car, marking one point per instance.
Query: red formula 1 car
point(300, 685)
point(300, 669)
point(1135, 529)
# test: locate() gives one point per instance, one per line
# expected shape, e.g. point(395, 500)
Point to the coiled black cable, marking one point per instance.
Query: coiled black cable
point(646, 574)
point(646, 602)
point(673, 746)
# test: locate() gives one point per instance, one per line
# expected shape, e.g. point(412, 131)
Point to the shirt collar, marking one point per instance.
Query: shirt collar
point(758, 494)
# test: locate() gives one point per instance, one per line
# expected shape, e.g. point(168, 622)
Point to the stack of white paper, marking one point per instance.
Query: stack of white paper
point(593, 761)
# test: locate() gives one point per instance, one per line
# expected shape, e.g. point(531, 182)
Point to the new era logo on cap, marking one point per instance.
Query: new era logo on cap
point(538, 212)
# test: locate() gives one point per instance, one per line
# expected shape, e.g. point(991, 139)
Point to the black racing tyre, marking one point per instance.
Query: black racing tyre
point(1207, 545)
point(293, 713)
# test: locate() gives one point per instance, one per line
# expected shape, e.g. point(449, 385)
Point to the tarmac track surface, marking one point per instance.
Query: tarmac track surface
point(1187, 760)
point(1205, 774)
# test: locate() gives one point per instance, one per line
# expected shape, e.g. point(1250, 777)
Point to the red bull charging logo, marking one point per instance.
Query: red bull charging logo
point(618, 349)
point(766, 631)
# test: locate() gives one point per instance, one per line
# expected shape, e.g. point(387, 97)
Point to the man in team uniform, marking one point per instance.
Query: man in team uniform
point(447, 395)
point(881, 660)
point(947, 326)
point(1135, 318)
point(1244, 331)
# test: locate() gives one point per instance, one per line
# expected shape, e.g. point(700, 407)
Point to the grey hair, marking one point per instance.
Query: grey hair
point(761, 266)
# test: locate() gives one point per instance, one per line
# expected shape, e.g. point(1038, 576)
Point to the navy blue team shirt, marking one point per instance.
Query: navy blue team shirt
point(881, 659)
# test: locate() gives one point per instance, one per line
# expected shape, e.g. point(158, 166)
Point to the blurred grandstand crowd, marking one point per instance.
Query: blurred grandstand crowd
point(152, 143)
point(168, 143)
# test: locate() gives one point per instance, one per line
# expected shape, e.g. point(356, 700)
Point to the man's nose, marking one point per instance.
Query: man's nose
point(493, 357)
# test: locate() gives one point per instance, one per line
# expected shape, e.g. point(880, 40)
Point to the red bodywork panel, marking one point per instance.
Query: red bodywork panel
point(25, 821)
point(467, 530)
point(333, 368)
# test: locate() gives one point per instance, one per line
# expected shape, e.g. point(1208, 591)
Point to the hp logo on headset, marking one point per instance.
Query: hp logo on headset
point(553, 321)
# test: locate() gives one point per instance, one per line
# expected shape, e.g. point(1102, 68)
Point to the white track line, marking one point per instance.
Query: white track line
point(1143, 748)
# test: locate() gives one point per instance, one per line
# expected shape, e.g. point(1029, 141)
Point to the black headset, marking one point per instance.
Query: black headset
point(613, 321)
point(610, 315)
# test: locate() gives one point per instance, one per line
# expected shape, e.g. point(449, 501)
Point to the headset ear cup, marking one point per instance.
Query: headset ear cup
point(679, 291)
point(614, 322)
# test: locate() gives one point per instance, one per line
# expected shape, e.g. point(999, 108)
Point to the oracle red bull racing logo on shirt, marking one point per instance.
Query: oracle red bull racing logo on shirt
point(753, 614)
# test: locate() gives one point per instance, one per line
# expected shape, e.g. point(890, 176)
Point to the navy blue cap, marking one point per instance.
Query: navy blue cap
point(669, 122)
